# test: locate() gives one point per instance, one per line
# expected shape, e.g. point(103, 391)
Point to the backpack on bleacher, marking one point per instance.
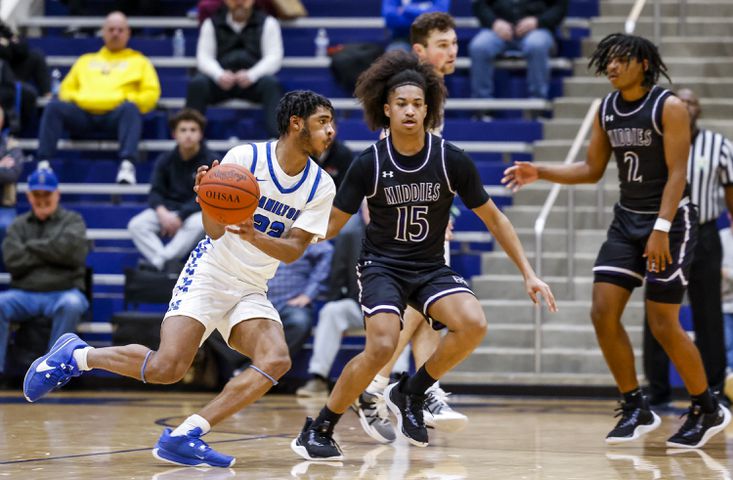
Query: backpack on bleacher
point(352, 59)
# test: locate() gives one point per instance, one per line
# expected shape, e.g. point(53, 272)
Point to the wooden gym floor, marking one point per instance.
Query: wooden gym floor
point(109, 435)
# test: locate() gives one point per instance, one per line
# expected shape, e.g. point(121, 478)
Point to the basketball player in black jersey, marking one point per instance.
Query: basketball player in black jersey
point(409, 179)
point(652, 235)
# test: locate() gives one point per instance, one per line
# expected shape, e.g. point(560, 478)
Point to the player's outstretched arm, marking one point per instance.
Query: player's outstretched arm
point(590, 171)
point(336, 221)
point(287, 248)
point(503, 231)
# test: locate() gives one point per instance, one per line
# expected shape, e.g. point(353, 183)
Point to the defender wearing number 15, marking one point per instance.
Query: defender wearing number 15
point(652, 235)
point(409, 180)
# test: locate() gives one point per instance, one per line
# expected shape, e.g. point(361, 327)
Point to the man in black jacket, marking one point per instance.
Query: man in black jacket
point(239, 52)
point(45, 251)
point(526, 26)
point(173, 211)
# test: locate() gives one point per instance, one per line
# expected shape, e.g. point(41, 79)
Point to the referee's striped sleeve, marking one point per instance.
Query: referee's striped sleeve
point(726, 162)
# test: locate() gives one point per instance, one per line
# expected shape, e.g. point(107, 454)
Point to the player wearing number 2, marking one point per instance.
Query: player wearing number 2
point(223, 286)
point(409, 179)
point(652, 235)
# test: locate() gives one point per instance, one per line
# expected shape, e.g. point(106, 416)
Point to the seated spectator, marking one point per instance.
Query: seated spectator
point(106, 91)
point(284, 9)
point(173, 211)
point(30, 70)
point(526, 26)
point(726, 240)
point(11, 164)
point(45, 251)
point(294, 288)
point(341, 312)
point(239, 51)
point(398, 17)
point(8, 96)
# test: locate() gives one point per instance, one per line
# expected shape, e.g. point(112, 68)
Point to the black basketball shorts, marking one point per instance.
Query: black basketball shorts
point(388, 288)
point(621, 259)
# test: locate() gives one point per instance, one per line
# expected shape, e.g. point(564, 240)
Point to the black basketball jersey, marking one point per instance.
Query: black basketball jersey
point(635, 133)
point(409, 198)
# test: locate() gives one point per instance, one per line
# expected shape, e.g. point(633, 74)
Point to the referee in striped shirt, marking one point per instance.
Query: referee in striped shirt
point(710, 167)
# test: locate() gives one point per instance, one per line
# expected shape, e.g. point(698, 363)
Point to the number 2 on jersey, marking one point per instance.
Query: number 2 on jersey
point(632, 175)
point(412, 226)
point(262, 223)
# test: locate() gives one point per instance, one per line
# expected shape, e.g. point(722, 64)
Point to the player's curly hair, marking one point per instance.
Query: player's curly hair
point(392, 70)
point(626, 47)
point(301, 103)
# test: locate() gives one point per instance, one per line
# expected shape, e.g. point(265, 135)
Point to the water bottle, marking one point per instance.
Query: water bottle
point(179, 44)
point(55, 82)
point(321, 42)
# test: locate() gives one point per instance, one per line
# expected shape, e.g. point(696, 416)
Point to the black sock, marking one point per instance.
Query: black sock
point(635, 397)
point(327, 416)
point(418, 383)
point(706, 400)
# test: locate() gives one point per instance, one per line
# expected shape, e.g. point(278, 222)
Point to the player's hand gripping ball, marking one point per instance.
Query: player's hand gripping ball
point(229, 194)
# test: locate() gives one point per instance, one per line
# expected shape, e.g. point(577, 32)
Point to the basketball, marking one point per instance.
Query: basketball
point(229, 194)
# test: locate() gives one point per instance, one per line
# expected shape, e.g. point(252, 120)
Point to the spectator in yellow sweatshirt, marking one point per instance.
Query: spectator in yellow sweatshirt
point(105, 91)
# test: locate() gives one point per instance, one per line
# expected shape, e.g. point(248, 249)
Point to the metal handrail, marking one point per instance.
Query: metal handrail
point(633, 17)
point(539, 227)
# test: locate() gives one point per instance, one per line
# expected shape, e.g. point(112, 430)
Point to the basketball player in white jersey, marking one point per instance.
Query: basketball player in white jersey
point(223, 286)
point(434, 41)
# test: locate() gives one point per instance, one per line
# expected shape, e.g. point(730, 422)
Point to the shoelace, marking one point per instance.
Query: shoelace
point(321, 438)
point(625, 411)
point(59, 376)
point(198, 444)
point(378, 406)
point(693, 414)
point(436, 401)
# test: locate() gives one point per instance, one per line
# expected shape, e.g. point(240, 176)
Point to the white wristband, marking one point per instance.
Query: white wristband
point(662, 225)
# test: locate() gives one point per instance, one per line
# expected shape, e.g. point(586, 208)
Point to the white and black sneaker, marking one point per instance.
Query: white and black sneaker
point(699, 427)
point(316, 442)
point(126, 173)
point(636, 420)
point(408, 408)
point(439, 415)
point(374, 418)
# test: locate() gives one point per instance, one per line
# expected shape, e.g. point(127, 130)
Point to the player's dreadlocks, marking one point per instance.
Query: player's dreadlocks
point(390, 71)
point(626, 47)
point(301, 103)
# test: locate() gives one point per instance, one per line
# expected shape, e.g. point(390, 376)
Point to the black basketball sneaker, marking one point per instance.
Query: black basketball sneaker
point(316, 442)
point(699, 427)
point(636, 420)
point(408, 408)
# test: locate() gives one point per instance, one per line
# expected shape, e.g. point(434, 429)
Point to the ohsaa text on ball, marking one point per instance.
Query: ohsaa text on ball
point(227, 197)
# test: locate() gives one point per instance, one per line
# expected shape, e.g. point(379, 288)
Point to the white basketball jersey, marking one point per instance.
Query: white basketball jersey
point(303, 201)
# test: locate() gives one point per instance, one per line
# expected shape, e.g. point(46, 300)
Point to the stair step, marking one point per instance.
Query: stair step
point(711, 46)
point(669, 8)
point(598, 87)
point(511, 286)
point(712, 108)
point(696, 26)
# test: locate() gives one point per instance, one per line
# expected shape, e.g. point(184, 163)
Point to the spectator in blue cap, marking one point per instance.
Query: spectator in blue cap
point(45, 253)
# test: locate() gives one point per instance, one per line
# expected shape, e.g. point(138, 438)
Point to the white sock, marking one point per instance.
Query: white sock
point(80, 357)
point(190, 423)
point(378, 385)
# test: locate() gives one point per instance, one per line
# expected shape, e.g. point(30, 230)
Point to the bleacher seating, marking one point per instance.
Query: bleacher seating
point(86, 167)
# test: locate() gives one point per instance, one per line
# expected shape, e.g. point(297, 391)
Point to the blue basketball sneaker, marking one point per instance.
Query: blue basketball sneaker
point(189, 450)
point(54, 369)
